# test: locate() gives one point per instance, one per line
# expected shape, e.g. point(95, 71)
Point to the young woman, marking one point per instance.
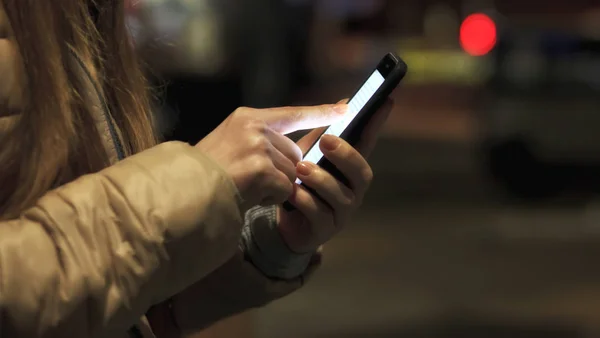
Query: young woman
point(103, 233)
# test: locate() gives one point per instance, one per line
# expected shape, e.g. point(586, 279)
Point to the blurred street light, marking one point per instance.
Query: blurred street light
point(478, 34)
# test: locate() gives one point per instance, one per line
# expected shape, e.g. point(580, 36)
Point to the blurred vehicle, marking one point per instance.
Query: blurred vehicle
point(541, 111)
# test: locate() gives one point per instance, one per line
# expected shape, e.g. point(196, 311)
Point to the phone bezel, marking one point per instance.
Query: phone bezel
point(393, 69)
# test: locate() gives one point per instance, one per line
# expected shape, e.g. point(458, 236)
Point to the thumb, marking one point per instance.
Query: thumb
point(290, 119)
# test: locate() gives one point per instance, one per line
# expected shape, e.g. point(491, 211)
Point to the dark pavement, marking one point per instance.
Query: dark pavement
point(438, 252)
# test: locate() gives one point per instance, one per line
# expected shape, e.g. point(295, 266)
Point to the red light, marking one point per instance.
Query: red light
point(478, 34)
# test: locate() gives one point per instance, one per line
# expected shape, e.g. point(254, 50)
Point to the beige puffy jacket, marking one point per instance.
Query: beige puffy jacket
point(93, 256)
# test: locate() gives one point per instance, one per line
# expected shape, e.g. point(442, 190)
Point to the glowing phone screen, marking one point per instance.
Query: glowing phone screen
point(355, 105)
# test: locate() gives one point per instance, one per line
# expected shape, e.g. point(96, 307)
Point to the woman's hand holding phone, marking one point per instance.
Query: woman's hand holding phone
point(250, 145)
point(264, 164)
point(317, 220)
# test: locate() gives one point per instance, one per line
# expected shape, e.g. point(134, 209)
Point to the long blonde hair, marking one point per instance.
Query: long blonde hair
point(55, 138)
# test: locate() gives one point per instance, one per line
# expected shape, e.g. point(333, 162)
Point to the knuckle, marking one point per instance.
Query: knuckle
point(349, 201)
point(357, 202)
point(242, 111)
point(258, 125)
point(254, 125)
point(246, 117)
point(260, 145)
point(367, 175)
point(260, 166)
point(259, 130)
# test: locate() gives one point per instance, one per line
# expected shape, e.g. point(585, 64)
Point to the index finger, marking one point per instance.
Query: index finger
point(290, 119)
point(368, 139)
point(309, 139)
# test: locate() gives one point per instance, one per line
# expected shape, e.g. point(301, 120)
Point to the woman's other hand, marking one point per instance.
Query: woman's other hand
point(314, 222)
point(250, 146)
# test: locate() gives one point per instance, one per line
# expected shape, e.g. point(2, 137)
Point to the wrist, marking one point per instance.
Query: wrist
point(266, 248)
point(294, 234)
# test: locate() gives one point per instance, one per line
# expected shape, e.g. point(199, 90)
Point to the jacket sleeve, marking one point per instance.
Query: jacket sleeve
point(92, 256)
point(234, 288)
point(264, 270)
point(264, 246)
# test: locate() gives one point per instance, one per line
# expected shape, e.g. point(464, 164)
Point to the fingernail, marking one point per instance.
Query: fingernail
point(304, 169)
point(340, 108)
point(330, 142)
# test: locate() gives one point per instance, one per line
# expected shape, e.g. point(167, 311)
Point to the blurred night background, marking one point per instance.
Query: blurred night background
point(484, 217)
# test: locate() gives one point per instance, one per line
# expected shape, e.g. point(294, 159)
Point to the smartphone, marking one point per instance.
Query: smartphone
point(371, 95)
